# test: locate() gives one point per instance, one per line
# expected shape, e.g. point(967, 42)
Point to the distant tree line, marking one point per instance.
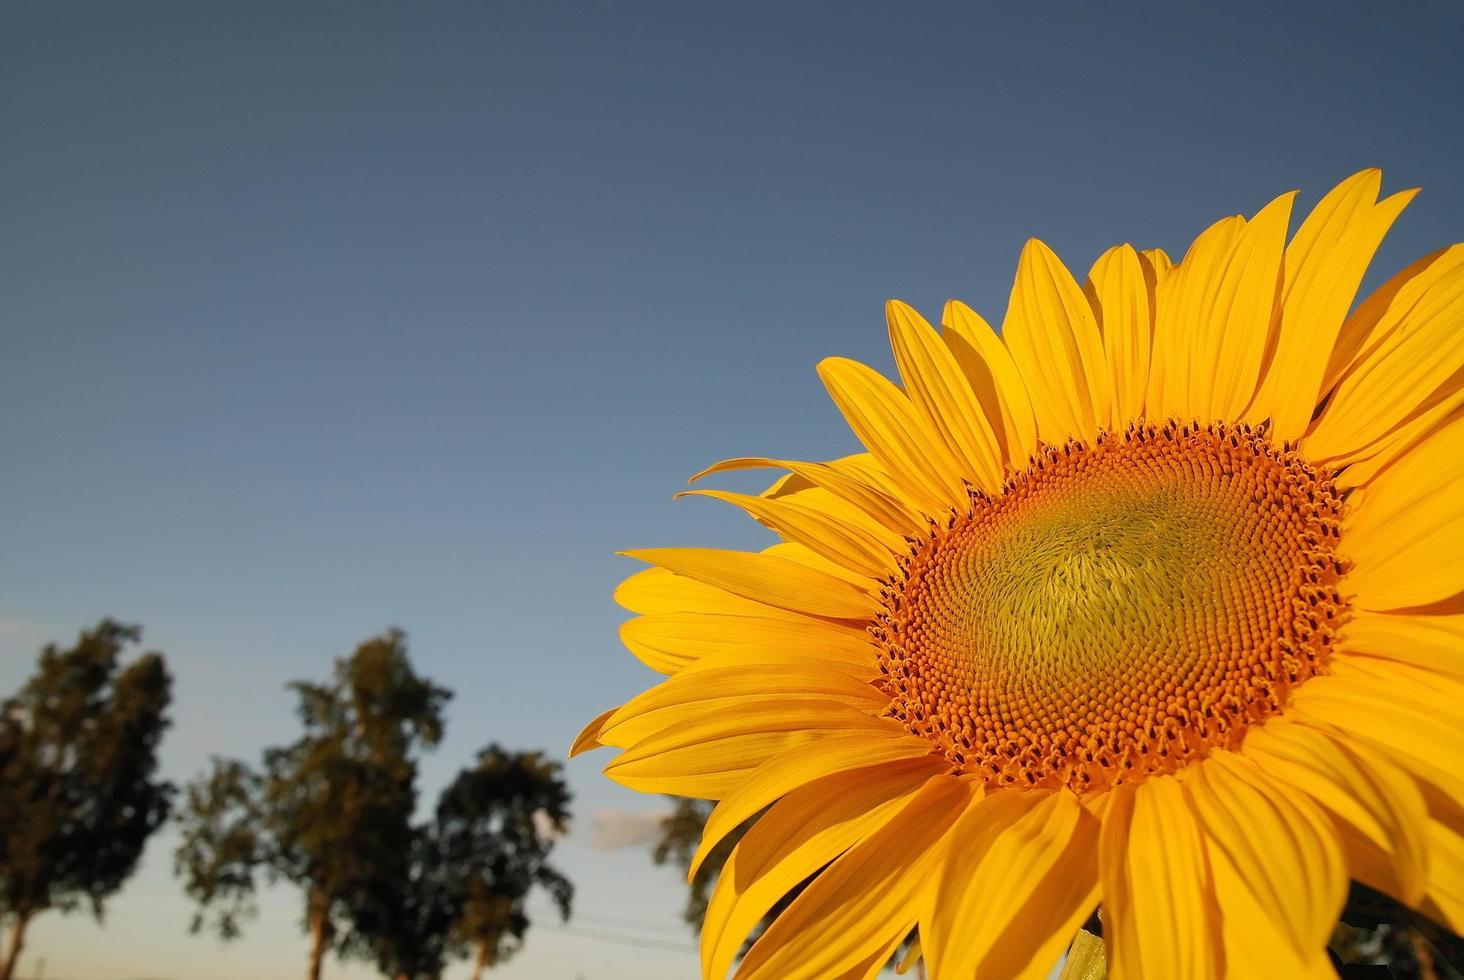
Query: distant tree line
point(332, 813)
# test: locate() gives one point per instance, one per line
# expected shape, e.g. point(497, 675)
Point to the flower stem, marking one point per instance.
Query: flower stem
point(1085, 958)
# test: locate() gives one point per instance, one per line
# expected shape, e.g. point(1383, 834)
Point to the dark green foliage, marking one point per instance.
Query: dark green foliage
point(331, 811)
point(471, 869)
point(224, 840)
point(78, 760)
point(681, 834)
point(494, 828)
point(402, 919)
point(1376, 933)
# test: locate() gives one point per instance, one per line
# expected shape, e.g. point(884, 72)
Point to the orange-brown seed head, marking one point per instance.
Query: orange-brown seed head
point(1120, 609)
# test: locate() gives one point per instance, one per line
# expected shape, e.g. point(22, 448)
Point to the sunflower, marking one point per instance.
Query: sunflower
point(1153, 601)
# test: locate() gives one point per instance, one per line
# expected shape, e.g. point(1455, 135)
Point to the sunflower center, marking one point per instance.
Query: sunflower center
point(1119, 609)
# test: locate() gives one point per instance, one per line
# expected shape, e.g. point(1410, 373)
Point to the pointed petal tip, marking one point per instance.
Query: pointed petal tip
point(589, 736)
point(1037, 246)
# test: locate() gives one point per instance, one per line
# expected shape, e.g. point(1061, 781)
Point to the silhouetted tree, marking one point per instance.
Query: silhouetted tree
point(225, 840)
point(494, 828)
point(1377, 932)
point(78, 757)
point(472, 868)
point(402, 919)
point(681, 833)
point(331, 812)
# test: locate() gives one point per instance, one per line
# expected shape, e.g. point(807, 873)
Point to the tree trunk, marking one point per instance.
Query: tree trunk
point(17, 940)
point(480, 960)
point(319, 939)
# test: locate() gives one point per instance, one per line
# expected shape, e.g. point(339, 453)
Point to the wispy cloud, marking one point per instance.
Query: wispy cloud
point(612, 828)
point(19, 636)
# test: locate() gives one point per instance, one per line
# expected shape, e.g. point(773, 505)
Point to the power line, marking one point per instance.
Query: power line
point(614, 937)
point(615, 920)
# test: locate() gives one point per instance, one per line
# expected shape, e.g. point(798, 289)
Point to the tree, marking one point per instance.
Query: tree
point(78, 759)
point(402, 919)
point(494, 828)
point(472, 868)
point(330, 813)
point(681, 833)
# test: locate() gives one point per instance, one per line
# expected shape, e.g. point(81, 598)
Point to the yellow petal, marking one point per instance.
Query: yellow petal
point(864, 899)
point(884, 420)
point(883, 508)
point(1240, 316)
point(1444, 696)
point(1412, 350)
point(799, 554)
point(1181, 300)
point(1159, 918)
point(941, 394)
point(799, 834)
point(817, 530)
point(669, 642)
point(589, 736)
point(1121, 294)
point(731, 684)
point(708, 757)
point(1434, 643)
point(1019, 874)
point(1390, 717)
point(819, 499)
point(1159, 261)
point(875, 961)
point(765, 578)
point(1438, 410)
point(1325, 264)
point(1340, 209)
point(993, 376)
point(782, 774)
point(1445, 900)
point(1403, 530)
point(1279, 877)
point(1054, 341)
point(913, 955)
point(1358, 786)
point(658, 590)
point(1378, 315)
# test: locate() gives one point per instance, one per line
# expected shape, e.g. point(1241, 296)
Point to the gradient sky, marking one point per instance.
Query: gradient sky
point(321, 318)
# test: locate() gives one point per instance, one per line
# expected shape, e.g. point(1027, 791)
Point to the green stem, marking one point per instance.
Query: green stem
point(1085, 959)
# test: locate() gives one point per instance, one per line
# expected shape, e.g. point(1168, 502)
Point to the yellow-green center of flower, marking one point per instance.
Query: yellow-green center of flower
point(1119, 609)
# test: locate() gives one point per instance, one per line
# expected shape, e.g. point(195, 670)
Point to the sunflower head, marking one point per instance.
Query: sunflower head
point(1153, 600)
point(1117, 609)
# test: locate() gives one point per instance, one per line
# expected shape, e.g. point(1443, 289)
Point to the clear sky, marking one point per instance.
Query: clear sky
point(321, 318)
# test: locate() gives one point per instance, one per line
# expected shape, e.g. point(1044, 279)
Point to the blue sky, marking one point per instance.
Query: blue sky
point(318, 319)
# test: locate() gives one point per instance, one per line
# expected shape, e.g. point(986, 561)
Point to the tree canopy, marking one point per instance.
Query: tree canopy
point(472, 868)
point(333, 813)
point(330, 812)
point(78, 786)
